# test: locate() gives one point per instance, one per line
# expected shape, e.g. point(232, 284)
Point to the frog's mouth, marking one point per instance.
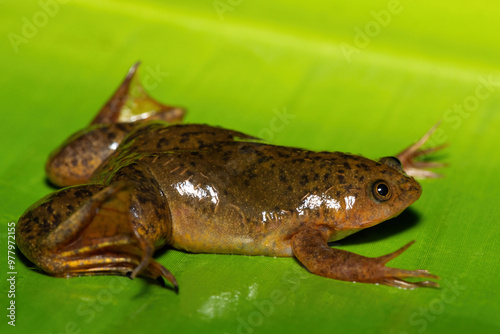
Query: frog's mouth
point(343, 233)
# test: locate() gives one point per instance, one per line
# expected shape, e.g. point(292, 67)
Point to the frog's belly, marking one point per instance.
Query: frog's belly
point(223, 232)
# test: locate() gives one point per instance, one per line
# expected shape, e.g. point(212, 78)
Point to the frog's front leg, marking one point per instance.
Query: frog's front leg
point(310, 247)
point(96, 236)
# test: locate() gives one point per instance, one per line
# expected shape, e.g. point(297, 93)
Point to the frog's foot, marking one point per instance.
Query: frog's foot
point(393, 276)
point(311, 249)
point(99, 238)
point(131, 103)
point(418, 169)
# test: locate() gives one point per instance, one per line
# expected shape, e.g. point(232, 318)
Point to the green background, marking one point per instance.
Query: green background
point(238, 69)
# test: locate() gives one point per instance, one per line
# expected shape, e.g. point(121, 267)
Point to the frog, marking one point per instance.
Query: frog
point(137, 179)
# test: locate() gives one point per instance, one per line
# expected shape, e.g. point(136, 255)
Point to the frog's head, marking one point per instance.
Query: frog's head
point(380, 190)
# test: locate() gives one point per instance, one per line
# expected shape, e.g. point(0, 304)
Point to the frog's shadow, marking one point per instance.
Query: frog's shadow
point(406, 220)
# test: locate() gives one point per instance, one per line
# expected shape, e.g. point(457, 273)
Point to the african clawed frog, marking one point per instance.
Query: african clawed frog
point(134, 182)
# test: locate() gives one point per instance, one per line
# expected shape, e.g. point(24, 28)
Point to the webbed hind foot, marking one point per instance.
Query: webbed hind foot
point(99, 238)
point(131, 103)
point(419, 169)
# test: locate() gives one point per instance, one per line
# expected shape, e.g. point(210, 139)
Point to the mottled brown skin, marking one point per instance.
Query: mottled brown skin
point(140, 185)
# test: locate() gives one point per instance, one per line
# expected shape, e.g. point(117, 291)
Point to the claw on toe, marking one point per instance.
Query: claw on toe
point(419, 169)
point(399, 283)
point(386, 258)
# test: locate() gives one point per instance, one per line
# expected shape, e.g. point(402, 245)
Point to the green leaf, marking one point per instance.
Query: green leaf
point(365, 77)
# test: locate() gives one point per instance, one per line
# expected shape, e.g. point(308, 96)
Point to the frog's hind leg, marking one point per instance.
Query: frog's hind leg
point(418, 169)
point(131, 103)
point(79, 156)
point(99, 238)
point(311, 249)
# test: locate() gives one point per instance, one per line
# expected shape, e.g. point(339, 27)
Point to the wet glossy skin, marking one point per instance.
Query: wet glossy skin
point(145, 184)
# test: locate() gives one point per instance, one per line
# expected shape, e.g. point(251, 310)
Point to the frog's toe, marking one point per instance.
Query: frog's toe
point(419, 169)
point(399, 283)
point(393, 276)
point(312, 251)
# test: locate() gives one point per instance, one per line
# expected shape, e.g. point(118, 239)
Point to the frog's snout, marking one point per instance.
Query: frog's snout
point(412, 189)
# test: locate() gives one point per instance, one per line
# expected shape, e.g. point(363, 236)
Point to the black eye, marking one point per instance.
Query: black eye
point(392, 162)
point(381, 191)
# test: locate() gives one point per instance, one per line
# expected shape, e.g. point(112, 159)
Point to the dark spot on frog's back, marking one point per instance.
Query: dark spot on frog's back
point(263, 159)
point(346, 165)
point(250, 174)
point(246, 149)
point(282, 176)
point(363, 166)
point(304, 179)
point(82, 193)
point(326, 177)
point(111, 135)
point(352, 157)
point(283, 155)
point(163, 142)
point(341, 179)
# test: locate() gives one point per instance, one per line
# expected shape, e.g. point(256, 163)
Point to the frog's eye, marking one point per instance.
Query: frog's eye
point(392, 162)
point(381, 191)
